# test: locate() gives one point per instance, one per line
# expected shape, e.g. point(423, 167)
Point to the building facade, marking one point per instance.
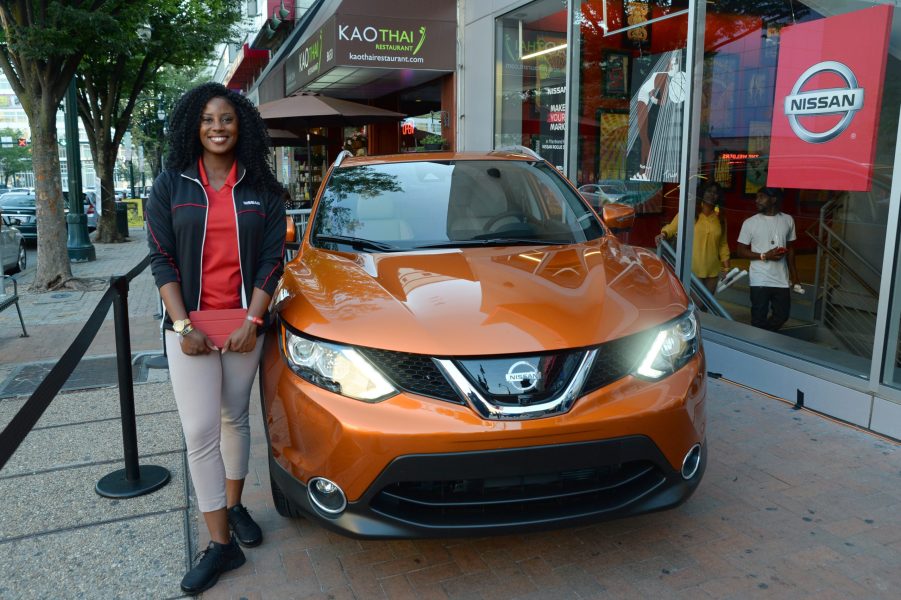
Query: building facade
point(12, 116)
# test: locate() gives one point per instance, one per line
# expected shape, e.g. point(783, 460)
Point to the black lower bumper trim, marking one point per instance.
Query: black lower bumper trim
point(503, 491)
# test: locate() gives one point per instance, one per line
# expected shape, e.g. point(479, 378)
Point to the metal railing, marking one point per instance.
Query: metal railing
point(847, 301)
point(698, 293)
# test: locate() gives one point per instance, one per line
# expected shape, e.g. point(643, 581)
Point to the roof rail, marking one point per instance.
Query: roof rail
point(520, 149)
point(341, 156)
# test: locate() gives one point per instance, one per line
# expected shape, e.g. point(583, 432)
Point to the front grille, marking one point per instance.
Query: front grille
point(519, 499)
point(616, 359)
point(413, 373)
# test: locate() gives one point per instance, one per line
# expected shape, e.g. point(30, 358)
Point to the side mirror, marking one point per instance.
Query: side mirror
point(618, 217)
point(291, 229)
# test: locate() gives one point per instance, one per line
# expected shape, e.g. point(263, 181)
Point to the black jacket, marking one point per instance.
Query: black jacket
point(176, 223)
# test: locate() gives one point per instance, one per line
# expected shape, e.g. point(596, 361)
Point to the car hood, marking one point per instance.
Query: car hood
point(479, 301)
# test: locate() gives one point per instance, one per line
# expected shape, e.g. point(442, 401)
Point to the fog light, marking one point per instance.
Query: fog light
point(327, 496)
point(691, 462)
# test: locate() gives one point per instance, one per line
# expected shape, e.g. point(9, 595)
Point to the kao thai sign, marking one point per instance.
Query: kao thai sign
point(351, 40)
point(828, 99)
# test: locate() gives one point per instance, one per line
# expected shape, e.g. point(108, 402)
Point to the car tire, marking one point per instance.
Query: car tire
point(283, 505)
point(21, 261)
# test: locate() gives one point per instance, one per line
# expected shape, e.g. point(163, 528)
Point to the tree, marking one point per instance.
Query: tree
point(147, 130)
point(13, 157)
point(42, 44)
point(112, 76)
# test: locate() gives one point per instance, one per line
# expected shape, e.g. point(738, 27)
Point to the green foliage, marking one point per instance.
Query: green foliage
point(13, 158)
point(433, 139)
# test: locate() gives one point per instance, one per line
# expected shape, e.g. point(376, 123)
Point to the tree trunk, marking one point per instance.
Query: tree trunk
point(53, 268)
point(104, 164)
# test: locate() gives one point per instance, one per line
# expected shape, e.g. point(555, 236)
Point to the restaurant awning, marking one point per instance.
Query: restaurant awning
point(300, 112)
point(247, 64)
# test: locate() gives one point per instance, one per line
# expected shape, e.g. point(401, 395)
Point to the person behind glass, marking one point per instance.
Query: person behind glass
point(358, 145)
point(710, 249)
point(767, 239)
point(216, 220)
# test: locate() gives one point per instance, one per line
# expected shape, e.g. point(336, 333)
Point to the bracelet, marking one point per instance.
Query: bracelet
point(255, 320)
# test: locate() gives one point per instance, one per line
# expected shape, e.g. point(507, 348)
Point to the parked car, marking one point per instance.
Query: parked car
point(91, 205)
point(462, 346)
point(12, 246)
point(20, 208)
point(605, 191)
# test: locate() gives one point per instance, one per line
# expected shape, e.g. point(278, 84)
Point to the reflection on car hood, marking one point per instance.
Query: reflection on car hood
point(480, 300)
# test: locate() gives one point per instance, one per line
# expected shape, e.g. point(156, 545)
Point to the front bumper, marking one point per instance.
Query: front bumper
point(413, 466)
point(502, 491)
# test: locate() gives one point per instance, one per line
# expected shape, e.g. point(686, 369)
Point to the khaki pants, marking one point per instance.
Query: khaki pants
point(212, 392)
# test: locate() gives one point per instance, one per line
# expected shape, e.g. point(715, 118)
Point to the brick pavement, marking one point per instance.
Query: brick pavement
point(53, 319)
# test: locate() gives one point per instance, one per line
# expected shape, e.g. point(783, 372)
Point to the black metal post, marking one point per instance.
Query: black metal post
point(133, 480)
point(78, 244)
point(131, 176)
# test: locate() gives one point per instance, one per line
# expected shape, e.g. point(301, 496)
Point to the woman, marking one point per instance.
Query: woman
point(710, 251)
point(216, 219)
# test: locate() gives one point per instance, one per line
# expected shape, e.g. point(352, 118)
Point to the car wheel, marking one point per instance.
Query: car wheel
point(283, 505)
point(22, 261)
point(23, 257)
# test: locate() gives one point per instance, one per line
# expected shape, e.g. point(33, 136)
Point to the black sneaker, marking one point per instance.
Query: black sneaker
point(246, 530)
point(215, 560)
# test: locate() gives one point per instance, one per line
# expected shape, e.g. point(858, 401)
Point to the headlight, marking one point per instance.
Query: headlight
point(673, 346)
point(336, 368)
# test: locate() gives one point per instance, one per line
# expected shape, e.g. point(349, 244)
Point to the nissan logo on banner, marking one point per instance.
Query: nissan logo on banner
point(844, 101)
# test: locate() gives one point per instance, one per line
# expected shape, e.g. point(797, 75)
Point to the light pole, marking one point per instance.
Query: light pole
point(78, 244)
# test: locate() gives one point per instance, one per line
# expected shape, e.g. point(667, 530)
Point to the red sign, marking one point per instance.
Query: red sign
point(828, 96)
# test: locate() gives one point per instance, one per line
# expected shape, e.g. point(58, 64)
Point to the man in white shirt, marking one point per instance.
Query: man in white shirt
point(767, 239)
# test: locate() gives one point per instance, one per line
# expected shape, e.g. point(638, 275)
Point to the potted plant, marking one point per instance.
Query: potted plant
point(433, 142)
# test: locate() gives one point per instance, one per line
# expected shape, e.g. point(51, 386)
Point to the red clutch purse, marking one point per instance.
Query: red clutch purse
point(218, 324)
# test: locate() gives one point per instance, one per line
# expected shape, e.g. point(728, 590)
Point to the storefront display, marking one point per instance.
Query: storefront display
point(786, 102)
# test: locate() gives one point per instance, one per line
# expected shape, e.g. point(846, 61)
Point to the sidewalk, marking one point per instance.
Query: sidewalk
point(793, 505)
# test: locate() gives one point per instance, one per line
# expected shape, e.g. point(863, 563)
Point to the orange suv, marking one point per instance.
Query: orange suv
point(463, 346)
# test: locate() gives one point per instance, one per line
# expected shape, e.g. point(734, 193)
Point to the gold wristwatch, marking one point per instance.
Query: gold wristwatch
point(182, 327)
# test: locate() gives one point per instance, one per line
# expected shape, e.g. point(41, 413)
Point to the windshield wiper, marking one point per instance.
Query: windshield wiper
point(494, 242)
point(357, 243)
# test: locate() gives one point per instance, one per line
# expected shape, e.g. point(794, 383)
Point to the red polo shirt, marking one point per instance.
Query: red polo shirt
point(221, 273)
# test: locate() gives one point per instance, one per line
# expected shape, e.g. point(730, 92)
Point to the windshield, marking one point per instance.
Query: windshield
point(424, 204)
point(16, 200)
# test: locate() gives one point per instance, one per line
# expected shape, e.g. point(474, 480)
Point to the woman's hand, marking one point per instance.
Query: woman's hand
point(196, 343)
point(660, 237)
point(242, 339)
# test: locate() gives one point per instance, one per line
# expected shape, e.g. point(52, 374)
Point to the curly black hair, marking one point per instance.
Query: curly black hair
point(252, 149)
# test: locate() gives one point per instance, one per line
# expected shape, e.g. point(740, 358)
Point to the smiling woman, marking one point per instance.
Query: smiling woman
point(216, 219)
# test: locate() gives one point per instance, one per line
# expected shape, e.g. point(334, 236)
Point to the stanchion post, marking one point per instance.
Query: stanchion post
point(133, 480)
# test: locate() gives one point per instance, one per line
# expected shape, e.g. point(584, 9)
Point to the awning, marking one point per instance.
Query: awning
point(298, 113)
point(248, 63)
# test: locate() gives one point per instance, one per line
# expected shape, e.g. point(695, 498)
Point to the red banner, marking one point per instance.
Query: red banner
point(828, 96)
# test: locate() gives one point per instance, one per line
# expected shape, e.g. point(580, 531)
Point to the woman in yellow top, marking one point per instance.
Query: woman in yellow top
point(710, 252)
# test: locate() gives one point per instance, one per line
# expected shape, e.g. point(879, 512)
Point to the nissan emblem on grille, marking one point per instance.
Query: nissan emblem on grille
point(523, 375)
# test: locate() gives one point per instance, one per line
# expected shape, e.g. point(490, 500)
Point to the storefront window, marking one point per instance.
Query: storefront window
point(777, 114)
point(794, 114)
point(531, 79)
point(632, 87)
